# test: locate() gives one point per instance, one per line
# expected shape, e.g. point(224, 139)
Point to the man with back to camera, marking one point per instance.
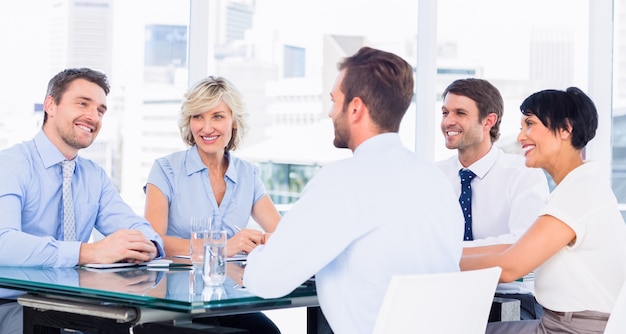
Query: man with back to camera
point(506, 196)
point(345, 227)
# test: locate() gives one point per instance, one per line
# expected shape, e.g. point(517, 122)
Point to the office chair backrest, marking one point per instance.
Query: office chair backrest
point(617, 320)
point(457, 302)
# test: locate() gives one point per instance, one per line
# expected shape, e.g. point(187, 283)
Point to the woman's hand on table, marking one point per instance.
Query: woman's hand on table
point(244, 241)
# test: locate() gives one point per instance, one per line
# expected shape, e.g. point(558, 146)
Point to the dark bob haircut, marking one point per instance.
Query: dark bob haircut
point(558, 110)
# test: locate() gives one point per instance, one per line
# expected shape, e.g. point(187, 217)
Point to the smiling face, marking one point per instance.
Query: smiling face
point(75, 121)
point(540, 145)
point(213, 129)
point(460, 123)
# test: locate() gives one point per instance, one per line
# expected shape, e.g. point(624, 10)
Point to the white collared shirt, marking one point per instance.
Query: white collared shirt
point(506, 199)
point(506, 196)
point(358, 222)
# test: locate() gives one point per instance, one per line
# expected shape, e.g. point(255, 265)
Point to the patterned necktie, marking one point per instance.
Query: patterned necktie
point(69, 225)
point(466, 201)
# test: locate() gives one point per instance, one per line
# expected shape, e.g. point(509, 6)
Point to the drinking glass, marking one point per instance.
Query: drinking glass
point(214, 272)
point(213, 293)
point(200, 227)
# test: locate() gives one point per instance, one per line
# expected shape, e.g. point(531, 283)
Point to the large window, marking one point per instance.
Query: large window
point(165, 45)
point(527, 47)
point(619, 105)
point(286, 65)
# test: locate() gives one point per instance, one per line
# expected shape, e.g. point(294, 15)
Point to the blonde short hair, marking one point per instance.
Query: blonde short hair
point(206, 94)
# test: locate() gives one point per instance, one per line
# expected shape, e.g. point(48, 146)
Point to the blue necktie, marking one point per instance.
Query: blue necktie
point(466, 201)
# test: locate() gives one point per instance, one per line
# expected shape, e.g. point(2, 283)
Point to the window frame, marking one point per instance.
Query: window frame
point(600, 67)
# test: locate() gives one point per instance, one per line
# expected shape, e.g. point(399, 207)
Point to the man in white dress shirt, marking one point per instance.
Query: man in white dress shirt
point(363, 219)
point(506, 195)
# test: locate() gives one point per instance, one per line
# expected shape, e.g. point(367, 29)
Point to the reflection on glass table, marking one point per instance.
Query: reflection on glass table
point(181, 290)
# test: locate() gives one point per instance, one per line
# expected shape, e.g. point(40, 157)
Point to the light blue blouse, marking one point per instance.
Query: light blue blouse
point(184, 180)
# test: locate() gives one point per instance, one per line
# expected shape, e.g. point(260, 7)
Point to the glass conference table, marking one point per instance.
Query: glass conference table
point(139, 298)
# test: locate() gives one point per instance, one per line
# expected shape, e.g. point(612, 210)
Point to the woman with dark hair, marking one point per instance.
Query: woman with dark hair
point(577, 245)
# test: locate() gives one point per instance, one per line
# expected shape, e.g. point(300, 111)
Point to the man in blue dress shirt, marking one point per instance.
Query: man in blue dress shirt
point(31, 228)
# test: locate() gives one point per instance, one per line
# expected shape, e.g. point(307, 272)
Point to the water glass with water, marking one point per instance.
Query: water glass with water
point(214, 272)
point(200, 227)
point(213, 293)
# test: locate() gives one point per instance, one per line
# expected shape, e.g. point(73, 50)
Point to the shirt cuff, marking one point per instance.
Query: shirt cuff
point(69, 253)
point(160, 250)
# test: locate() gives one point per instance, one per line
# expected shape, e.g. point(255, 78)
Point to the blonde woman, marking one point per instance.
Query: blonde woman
point(206, 180)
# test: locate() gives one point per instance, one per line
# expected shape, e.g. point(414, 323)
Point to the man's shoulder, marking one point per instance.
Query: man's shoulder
point(89, 165)
point(17, 155)
point(447, 160)
point(512, 161)
point(449, 166)
point(512, 168)
point(510, 156)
